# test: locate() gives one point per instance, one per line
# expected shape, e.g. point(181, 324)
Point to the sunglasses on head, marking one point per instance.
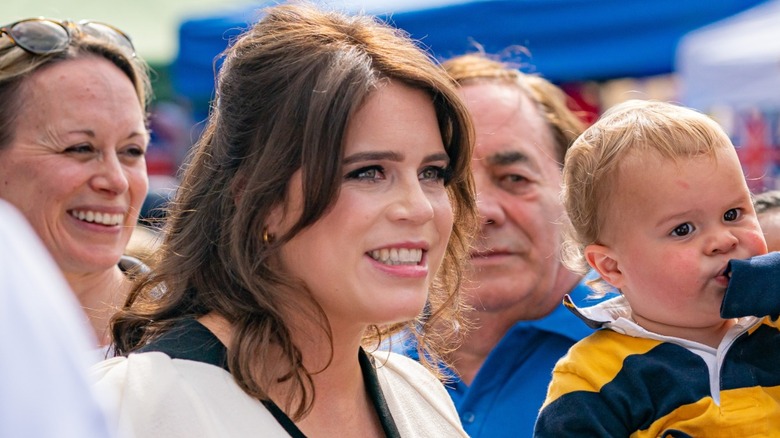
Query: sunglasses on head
point(43, 36)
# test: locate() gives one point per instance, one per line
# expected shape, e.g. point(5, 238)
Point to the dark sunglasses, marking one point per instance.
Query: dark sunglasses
point(43, 36)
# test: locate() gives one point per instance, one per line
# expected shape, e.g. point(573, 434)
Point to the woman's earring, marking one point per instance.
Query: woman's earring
point(268, 238)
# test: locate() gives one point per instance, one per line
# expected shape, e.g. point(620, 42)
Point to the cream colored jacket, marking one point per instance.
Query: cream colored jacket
point(156, 396)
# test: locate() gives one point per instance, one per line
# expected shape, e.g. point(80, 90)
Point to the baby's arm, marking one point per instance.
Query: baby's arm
point(754, 287)
point(578, 403)
point(574, 408)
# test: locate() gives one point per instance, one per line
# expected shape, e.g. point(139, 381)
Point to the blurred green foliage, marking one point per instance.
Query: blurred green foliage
point(162, 86)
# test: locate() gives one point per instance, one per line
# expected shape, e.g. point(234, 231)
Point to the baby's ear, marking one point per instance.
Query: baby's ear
point(605, 262)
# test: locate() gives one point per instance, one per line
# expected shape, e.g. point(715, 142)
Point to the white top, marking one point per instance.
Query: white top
point(45, 343)
point(162, 397)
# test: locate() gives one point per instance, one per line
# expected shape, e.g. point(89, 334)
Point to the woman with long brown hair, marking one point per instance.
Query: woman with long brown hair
point(327, 207)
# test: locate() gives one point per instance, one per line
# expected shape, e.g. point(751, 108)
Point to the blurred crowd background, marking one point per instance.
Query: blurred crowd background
point(721, 57)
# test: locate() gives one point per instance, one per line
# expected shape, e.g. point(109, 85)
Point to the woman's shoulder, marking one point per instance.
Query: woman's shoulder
point(154, 395)
point(408, 373)
point(394, 359)
point(159, 368)
point(418, 401)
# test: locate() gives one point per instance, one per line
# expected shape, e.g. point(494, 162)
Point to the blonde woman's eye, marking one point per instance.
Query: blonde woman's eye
point(135, 151)
point(79, 149)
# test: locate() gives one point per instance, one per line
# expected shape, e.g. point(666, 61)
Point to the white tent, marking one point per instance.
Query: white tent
point(731, 70)
point(734, 62)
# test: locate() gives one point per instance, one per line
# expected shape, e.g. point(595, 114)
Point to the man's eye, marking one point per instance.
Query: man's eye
point(514, 178)
point(682, 230)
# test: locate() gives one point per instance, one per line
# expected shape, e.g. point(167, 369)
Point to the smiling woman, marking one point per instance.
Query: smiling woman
point(394, 165)
point(327, 206)
point(72, 142)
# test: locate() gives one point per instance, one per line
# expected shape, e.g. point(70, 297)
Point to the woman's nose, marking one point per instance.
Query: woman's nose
point(110, 175)
point(413, 203)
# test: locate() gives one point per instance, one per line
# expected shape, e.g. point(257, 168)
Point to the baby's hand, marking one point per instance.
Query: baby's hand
point(754, 287)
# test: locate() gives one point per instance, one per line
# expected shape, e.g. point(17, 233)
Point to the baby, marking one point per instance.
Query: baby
point(658, 206)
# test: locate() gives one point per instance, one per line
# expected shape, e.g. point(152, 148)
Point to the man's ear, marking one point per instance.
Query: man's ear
point(605, 262)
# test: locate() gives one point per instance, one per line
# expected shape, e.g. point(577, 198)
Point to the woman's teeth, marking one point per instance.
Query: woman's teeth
point(397, 256)
point(98, 218)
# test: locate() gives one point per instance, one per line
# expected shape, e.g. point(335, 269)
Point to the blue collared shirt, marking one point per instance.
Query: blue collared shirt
point(504, 398)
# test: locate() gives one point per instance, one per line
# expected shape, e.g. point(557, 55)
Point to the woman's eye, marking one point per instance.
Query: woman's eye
point(366, 173)
point(135, 151)
point(79, 149)
point(436, 173)
point(682, 230)
point(731, 215)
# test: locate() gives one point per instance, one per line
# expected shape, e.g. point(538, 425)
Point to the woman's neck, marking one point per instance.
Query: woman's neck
point(342, 406)
point(100, 294)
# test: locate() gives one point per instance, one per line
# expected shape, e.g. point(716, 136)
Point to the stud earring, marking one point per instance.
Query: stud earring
point(268, 238)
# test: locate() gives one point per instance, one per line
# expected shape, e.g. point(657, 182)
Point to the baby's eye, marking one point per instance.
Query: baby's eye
point(682, 230)
point(732, 215)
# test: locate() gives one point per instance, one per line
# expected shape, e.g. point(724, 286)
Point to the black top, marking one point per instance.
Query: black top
point(191, 340)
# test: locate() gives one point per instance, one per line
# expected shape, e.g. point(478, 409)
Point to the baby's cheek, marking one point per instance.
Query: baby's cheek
point(678, 266)
point(756, 243)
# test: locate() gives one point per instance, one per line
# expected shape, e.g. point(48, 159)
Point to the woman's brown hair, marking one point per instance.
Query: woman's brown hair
point(286, 92)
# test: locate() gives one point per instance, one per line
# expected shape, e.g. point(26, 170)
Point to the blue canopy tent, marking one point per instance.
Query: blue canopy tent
point(566, 40)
